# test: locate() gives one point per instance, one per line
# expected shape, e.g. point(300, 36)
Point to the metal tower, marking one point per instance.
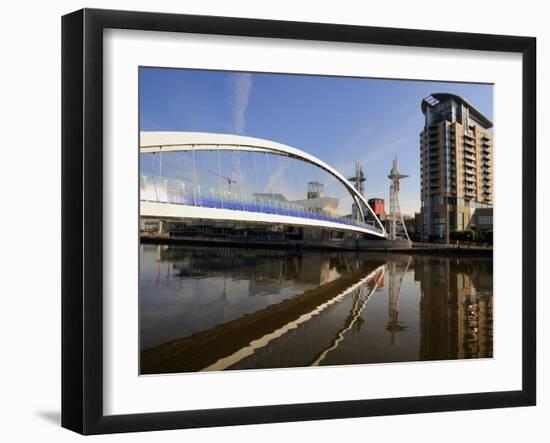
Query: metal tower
point(397, 229)
point(359, 178)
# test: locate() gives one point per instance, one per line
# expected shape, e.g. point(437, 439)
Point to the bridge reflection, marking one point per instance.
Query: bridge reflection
point(204, 308)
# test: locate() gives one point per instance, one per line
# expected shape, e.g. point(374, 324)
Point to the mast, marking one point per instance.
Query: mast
point(398, 230)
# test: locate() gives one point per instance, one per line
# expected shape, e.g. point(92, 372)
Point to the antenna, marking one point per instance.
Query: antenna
point(398, 229)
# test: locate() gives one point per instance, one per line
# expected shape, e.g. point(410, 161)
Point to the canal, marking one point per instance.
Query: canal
point(207, 308)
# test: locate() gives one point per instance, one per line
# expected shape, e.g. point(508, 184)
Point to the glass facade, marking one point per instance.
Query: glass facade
point(253, 181)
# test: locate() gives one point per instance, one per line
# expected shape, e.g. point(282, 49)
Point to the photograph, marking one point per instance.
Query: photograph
point(297, 220)
point(271, 222)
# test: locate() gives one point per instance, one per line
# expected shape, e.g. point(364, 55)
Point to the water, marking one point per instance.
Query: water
point(215, 308)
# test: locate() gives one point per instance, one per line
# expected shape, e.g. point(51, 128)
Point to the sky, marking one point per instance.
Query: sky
point(337, 119)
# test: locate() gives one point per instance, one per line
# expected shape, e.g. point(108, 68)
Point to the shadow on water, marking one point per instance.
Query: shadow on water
point(207, 308)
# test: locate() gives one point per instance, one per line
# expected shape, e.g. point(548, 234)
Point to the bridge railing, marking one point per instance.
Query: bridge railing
point(163, 190)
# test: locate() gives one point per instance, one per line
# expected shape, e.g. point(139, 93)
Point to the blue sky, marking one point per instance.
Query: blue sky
point(337, 119)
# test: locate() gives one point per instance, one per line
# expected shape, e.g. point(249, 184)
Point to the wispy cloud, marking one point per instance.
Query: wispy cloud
point(372, 156)
point(274, 183)
point(384, 150)
point(374, 148)
point(242, 86)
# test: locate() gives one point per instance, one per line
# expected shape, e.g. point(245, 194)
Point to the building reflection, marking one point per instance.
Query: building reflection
point(456, 307)
point(267, 271)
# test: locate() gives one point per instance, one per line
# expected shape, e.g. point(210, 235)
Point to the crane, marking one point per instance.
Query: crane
point(229, 180)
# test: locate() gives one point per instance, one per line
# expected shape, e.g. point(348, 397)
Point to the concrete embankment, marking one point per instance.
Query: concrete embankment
point(484, 251)
point(454, 250)
point(377, 244)
point(346, 245)
point(374, 245)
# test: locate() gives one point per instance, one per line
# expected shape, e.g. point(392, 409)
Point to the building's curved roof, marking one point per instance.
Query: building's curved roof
point(156, 141)
point(444, 96)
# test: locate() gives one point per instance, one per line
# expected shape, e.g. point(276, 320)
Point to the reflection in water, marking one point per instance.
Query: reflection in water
point(208, 308)
point(396, 277)
point(464, 289)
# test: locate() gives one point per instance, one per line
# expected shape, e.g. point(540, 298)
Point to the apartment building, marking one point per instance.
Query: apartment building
point(456, 152)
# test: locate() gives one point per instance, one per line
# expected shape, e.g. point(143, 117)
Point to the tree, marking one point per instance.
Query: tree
point(468, 235)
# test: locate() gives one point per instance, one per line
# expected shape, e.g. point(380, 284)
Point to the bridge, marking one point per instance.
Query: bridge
point(222, 177)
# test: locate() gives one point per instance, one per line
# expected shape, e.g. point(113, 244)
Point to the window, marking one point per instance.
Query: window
point(485, 219)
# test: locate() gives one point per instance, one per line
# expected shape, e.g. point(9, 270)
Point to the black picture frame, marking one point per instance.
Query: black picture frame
point(82, 218)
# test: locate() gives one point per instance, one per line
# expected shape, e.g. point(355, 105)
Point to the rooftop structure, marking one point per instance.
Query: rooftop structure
point(443, 106)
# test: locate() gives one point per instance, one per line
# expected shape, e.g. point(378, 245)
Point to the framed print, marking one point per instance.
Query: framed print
point(269, 221)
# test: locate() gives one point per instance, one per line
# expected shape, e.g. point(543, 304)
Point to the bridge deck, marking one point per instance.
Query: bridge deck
point(269, 215)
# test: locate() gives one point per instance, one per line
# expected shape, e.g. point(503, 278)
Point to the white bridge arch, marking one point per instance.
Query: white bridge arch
point(152, 142)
